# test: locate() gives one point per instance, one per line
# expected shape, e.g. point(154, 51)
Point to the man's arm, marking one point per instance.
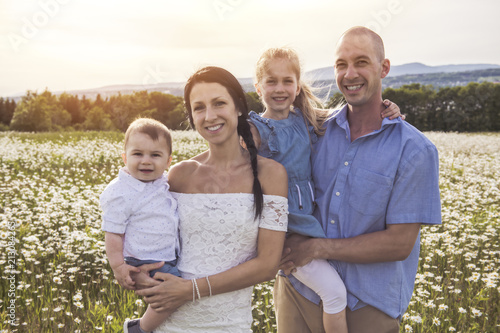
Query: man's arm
point(392, 244)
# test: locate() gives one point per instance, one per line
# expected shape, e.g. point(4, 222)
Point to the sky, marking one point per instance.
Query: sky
point(64, 45)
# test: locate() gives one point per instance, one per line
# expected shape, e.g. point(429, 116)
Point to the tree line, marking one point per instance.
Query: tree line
point(47, 112)
point(471, 108)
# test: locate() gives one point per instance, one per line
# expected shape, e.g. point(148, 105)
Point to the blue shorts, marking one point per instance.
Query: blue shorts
point(169, 266)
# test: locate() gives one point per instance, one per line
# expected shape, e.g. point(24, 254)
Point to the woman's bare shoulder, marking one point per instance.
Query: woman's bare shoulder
point(182, 172)
point(273, 177)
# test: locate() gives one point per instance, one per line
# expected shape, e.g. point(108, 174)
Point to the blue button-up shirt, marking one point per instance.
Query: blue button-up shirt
point(389, 176)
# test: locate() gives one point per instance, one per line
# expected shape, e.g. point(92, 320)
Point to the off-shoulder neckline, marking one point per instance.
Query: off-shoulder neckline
point(226, 194)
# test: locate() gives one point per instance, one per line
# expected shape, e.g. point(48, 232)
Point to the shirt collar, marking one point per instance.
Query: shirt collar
point(341, 120)
point(138, 185)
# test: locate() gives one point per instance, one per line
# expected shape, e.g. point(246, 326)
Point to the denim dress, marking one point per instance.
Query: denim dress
point(289, 142)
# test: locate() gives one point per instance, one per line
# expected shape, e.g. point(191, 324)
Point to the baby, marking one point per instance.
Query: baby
point(139, 214)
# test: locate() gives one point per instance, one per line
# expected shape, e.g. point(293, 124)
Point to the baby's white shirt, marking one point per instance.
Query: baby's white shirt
point(146, 213)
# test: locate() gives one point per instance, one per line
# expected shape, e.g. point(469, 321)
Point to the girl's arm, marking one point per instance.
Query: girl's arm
point(391, 110)
point(114, 251)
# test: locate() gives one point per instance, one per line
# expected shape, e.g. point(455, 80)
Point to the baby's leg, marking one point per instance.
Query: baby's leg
point(321, 277)
point(152, 319)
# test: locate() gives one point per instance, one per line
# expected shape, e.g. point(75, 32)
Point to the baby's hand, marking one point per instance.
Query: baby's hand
point(392, 111)
point(122, 275)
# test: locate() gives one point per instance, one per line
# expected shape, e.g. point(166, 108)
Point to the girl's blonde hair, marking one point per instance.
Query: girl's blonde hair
point(310, 105)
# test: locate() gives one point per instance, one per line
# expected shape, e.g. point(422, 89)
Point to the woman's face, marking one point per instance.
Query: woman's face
point(214, 114)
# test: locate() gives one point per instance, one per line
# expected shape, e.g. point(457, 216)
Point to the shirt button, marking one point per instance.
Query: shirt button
point(332, 221)
point(337, 194)
point(346, 163)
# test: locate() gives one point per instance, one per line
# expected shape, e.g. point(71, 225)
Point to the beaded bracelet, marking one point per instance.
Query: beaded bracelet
point(194, 296)
point(209, 286)
point(196, 286)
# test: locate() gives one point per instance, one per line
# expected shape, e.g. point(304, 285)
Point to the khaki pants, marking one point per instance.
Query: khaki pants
point(296, 314)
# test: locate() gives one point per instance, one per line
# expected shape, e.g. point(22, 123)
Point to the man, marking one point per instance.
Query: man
point(376, 183)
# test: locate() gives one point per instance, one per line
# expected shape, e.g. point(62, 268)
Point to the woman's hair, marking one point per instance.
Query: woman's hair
point(212, 74)
point(153, 128)
point(310, 105)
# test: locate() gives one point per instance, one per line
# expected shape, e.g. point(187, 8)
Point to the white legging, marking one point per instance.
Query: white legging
point(321, 277)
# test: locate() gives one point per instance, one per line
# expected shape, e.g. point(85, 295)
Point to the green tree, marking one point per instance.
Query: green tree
point(178, 119)
point(7, 107)
point(2, 111)
point(32, 114)
point(254, 103)
point(336, 101)
point(167, 109)
point(39, 112)
point(71, 103)
point(415, 101)
point(125, 108)
point(98, 120)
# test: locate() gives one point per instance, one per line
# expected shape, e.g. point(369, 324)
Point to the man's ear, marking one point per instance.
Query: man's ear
point(386, 67)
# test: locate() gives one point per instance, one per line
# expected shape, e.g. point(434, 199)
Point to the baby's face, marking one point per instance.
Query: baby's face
point(145, 158)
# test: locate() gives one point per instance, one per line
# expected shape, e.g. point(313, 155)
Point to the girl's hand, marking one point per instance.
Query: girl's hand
point(392, 111)
point(122, 275)
point(168, 295)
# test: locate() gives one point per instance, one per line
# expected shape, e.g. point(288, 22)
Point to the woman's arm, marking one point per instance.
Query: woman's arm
point(174, 291)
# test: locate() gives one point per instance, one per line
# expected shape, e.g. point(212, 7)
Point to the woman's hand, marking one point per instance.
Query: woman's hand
point(142, 279)
point(168, 295)
point(391, 110)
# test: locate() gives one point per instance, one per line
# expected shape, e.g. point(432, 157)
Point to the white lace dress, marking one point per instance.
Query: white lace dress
point(218, 232)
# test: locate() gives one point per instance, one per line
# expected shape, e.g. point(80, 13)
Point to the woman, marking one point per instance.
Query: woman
point(233, 216)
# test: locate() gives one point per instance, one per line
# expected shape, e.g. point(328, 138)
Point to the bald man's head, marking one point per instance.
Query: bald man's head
point(374, 38)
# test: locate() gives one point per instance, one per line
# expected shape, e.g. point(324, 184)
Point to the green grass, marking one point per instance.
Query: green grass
point(50, 233)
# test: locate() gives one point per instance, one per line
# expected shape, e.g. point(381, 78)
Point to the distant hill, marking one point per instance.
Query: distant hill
point(326, 88)
point(323, 79)
point(327, 73)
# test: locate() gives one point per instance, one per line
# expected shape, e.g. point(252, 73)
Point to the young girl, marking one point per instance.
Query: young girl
point(285, 132)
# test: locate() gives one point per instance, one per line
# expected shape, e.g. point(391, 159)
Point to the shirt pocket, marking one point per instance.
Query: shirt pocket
point(369, 192)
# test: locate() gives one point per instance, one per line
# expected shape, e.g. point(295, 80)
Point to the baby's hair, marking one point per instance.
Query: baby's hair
point(153, 128)
point(310, 105)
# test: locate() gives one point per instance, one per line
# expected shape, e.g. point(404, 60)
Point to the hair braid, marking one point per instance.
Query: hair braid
point(226, 79)
point(246, 134)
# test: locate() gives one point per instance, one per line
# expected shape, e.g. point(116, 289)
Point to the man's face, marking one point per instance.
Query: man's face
point(359, 71)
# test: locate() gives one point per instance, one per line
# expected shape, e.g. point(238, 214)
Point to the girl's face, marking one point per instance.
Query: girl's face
point(278, 87)
point(214, 113)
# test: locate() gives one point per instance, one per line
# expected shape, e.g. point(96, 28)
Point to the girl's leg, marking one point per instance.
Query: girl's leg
point(321, 277)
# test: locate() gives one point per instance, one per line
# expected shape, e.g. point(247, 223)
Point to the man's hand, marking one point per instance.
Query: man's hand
point(122, 274)
point(298, 251)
